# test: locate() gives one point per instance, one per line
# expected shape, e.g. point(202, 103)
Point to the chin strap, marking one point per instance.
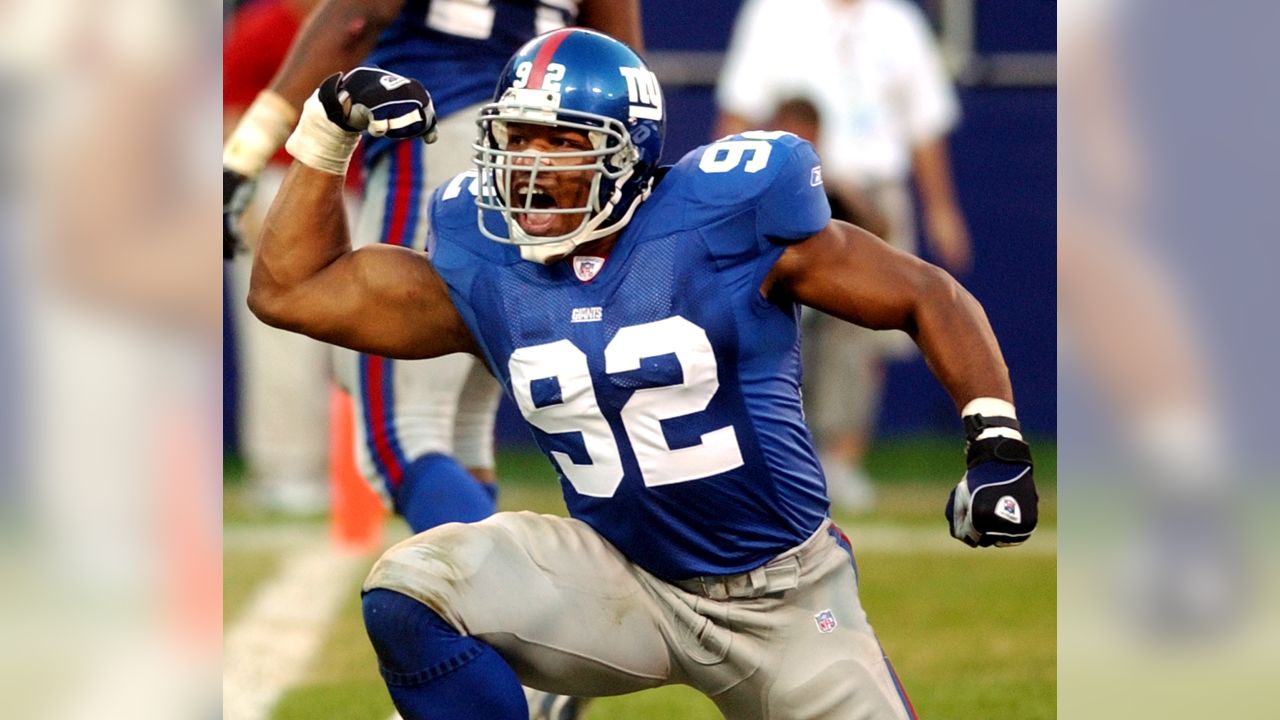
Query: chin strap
point(547, 254)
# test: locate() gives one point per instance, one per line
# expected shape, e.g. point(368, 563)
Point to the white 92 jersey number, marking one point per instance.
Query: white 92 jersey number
point(579, 411)
point(725, 155)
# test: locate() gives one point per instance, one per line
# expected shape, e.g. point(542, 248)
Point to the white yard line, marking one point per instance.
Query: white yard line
point(270, 646)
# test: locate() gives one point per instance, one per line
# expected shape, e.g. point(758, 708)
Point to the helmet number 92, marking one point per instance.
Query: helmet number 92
point(550, 79)
point(726, 155)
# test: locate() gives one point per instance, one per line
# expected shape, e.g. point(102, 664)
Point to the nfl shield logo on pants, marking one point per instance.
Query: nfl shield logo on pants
point(826, 621)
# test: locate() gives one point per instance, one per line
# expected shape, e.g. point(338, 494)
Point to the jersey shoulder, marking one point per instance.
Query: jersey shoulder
point(453, 239)
point(774, 176)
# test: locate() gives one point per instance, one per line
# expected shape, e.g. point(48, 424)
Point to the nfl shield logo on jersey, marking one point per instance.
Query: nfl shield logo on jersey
point(587, 267)
point(826, 621)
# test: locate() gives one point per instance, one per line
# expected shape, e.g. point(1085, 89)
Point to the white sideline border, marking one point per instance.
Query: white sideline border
point(270, 646)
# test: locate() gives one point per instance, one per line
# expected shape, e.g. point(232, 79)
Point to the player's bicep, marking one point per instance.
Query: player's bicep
point(847, 272)
point(406, 311)
point(382, 300)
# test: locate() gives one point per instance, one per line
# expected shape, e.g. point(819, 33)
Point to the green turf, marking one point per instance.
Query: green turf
point(969, 630)
point(360, 699)
point(241, 572)
point(343, 682)
point(971, 633)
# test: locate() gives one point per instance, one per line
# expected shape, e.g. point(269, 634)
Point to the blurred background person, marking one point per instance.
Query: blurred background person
point(1131, 332)
point(283, 379)
point(875, 74)
point(1160, 277)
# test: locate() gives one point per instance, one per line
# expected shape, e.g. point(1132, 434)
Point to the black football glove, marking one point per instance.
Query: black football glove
point(996, 503)
point(380, 103)
point(236, 191)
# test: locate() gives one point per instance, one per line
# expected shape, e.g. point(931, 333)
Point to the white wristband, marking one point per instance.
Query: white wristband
point(992, 407)
point(318, 143)
point(261, 131)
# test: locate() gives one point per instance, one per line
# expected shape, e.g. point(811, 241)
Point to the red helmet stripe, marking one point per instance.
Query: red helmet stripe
point(543, 58)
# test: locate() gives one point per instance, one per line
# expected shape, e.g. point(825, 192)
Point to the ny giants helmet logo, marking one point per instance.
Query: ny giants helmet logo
point(643, 92)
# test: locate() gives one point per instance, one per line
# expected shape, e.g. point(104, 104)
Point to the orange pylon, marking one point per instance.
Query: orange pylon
point(358, 512)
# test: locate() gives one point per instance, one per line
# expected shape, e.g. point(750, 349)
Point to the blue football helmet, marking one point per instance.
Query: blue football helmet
point(579, 80)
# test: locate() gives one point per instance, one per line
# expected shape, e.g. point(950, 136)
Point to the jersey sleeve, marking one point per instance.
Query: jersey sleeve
point(794, 205)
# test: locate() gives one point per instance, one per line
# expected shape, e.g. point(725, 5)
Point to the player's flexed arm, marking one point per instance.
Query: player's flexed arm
point(849, 273)
point(306, 278)
point(845, 271)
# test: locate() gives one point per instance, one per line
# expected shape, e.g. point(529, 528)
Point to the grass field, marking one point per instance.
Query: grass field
point(972, 633)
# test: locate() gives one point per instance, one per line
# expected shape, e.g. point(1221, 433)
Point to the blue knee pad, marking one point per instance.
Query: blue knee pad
point(432, 670)
point(436, 489)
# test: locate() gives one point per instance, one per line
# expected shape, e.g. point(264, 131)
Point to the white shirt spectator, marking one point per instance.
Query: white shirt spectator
point(871, 66)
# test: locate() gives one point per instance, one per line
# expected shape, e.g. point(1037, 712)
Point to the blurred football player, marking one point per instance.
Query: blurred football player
point(644, 319)
point(424, 429)
point(282, 378)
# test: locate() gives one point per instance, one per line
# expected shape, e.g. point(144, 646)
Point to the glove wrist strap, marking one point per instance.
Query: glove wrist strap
point(261, 131)
point(988, 417)
point(318, 143)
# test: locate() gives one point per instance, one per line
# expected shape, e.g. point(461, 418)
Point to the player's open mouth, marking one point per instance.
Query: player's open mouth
point(536, 223)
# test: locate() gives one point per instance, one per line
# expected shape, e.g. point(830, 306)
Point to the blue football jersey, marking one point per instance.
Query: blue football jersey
point(665, 390)
point(458, 48)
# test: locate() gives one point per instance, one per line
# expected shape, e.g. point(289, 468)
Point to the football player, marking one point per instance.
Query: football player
point(644, 319)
